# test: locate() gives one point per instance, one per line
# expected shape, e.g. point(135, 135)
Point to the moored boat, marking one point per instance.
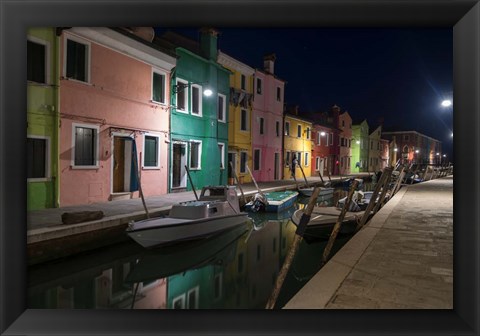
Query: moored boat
point(216, 210)
point(276, 201)
point(308, 191)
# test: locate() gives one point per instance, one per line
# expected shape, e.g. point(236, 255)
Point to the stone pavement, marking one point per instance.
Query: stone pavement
point(402, 259)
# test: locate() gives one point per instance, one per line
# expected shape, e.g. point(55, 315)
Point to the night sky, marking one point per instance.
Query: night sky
point(400, 75)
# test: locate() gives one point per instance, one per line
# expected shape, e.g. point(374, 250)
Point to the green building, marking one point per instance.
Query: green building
point(42, 118)
point(199, 122)
point(360, 143)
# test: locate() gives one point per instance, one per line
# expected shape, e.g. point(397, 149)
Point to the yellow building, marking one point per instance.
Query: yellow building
point(239, 117)
point(297, 144)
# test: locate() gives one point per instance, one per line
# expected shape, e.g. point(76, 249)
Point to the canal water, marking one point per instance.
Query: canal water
point(234, 270)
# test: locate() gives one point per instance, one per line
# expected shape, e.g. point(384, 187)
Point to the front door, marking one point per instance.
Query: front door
point(122, 158)
point(179, 160)
point(276, 165)
point(232, 163)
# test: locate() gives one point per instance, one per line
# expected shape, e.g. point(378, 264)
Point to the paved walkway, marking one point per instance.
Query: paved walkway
point(403, 258)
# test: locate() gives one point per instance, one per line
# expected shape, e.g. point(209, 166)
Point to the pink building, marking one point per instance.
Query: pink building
point(345, 125)
point(267, 123)
point(114, 104)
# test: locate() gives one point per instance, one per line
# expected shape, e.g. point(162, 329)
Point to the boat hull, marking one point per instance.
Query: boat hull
point(277, 201)
point(155, 232)
point(309, 191)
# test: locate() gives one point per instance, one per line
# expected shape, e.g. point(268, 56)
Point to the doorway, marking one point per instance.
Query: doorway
point(276, 166)
point(122, 164)
point(232, 167)
point(179, 160)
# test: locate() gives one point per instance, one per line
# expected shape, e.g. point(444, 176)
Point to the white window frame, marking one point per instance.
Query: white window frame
point(200, 100)
point(199, 155)
point(306, 159)
point(224, 107)
point(185, 87)
point(196, 290)
point(47, 159)
point(88, 56)
point(299, 131)
point(158, 151)
point(47, 46)
point(180, 298)
point(222, 155)
point(164, 74)
point(97, 146)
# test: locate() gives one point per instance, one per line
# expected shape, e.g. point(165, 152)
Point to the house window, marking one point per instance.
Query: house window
point(262, 126)
point(331, 139)
point(243, 82)
point(308, 133)
point(406, 137)
point(151, 155)
point(243, 120)
point(37, 157)
point(195, 154)
point(299, 131)
point(287, 128)
point(77, 62)
point(259, 86)
point(221, 149)
point(287, 159)
point(319, 138)
point(36, 62)
point(256, 159)
point(306, 159)
point(243, 162)
point(196, 100)
point(279, 94)
point(158, 87)
point(317, 163)
point(221, 108)
point(277, 128)
point(85, 140)
point(182, 95)
point(218, 286)
point(192, 298)
point(179, 302)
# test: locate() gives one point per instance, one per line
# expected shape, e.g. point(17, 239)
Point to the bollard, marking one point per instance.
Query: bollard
point(301, 227)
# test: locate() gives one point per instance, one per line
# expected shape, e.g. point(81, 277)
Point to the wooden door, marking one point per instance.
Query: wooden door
point(118, 164)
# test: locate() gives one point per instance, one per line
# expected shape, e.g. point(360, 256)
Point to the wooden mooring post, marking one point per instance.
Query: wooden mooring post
point(191, 182)
point(304, 177)
point(238, 182)
point(301, 227)
point(387, 172)
point(338, 224)
point(388, 178)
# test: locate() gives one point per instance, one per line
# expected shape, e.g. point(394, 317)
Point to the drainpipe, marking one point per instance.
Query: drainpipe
point(56, 130)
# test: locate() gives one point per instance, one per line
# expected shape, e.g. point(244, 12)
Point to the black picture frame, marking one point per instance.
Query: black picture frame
point(17, 16)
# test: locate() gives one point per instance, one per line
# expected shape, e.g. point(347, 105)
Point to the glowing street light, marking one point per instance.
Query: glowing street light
point(446, 103)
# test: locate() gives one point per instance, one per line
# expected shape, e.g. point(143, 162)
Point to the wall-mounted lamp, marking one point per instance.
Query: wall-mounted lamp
point(179, 87)
point(395, 149)
point(417, 151)
point(322, 133)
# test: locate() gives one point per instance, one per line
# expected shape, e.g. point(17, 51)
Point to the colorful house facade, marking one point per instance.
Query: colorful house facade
point(42, 119)
point(320, 148)
point(374, 149)
point(415, 147)
point(345, 125)
point(199, 122)
point(239, 118)
point(297, 145)
point(359, 162)
point(267, 123)
point(114, 114)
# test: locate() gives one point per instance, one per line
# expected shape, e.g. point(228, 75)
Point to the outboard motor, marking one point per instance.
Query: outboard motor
point(260, 202)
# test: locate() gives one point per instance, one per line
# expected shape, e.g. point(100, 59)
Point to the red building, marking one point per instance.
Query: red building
point(415, 147)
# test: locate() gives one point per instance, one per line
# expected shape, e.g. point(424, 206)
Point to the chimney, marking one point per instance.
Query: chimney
point(269, 63)
point(146, 33)
point(208, 43)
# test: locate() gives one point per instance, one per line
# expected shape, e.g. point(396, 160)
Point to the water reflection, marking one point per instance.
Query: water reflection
point(234, 270)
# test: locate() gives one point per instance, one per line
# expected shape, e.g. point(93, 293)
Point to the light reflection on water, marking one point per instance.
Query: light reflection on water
point(234, 270)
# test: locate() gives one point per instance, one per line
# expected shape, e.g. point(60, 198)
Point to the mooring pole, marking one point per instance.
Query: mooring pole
point(140, 183)
point(301, 227)
point(338, 224)
point(238, 182)
point(191, 182)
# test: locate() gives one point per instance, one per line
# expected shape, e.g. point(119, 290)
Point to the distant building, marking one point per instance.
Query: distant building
point(374, 151)
point(415, 147)
point(360, 143)
point(320, 147)
point(345, 125)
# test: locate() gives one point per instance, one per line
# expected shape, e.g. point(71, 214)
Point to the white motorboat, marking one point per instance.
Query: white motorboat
point(216, 210)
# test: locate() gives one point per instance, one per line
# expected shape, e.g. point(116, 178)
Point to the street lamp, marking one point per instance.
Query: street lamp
point(446, 103)
point(179, 87)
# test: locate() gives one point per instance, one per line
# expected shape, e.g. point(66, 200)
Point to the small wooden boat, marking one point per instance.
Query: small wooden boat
point(308, 191)
point(276, 201)
point(323, 220)
point(217, 209)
